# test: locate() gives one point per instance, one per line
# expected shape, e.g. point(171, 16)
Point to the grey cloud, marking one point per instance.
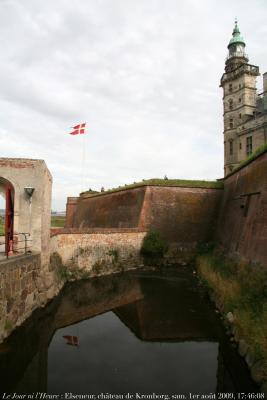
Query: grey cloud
point(144, 74)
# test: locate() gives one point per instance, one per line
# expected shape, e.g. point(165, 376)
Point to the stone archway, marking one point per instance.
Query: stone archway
point(8, 192)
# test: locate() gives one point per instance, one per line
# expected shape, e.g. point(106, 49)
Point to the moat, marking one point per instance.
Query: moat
point(138, 332)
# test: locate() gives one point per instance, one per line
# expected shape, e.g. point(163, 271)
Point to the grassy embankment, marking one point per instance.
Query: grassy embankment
point(2, 228)
point(56, 222)
point(240, 288)
point(163, 182)
point(260, 150)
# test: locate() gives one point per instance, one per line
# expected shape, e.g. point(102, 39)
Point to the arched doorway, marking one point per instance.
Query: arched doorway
point(7, 194)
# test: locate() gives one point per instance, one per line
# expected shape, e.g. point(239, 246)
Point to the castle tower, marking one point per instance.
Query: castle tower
point(239, 101)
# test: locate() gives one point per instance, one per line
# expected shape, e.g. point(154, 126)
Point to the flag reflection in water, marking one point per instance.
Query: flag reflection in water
point(71, 340)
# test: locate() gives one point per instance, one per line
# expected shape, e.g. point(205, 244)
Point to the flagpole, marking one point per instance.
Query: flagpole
point(83, 162)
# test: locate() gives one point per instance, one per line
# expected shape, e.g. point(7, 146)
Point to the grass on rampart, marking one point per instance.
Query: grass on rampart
point(242, 289)
point(2, 225)
point(165, 182)
point(57, 221)
point(260, 150)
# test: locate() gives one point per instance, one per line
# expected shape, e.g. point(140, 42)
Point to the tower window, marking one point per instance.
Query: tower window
point(231, 147)
point(231, 104)
point(240, 99)
point(239, 85)
point(240, 116)
point(249, 145)
point(231, 123)
point(240, 146)
point(230, 87)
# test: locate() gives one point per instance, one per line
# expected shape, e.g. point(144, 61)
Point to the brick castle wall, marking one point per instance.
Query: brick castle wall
point(110, 210)
point(184, 216)
point(242, 223)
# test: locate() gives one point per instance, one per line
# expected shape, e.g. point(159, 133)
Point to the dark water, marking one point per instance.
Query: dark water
point(144, 332)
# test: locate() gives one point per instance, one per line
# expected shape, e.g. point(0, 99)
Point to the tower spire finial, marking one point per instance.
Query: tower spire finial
point(236, 36)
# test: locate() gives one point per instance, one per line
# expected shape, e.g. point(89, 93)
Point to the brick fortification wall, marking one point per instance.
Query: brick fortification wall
point(70, 211)
point(185, 216)
point(111, 210)
point(242, 224)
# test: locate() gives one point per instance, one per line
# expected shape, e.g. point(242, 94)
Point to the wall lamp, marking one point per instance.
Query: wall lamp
point(29, 191)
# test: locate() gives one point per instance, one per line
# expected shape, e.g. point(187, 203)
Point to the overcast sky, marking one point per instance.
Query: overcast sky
point(143, 74)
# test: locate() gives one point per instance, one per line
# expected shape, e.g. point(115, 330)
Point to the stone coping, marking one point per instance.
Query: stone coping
point(75, 231)
point(14, 261)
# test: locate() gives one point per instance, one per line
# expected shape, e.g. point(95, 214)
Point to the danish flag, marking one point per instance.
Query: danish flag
point(78, 129)
point(71, 340)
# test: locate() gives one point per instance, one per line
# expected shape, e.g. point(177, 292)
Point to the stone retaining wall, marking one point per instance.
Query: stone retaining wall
point(18, 291)
point(98, 252)
point(24, 286)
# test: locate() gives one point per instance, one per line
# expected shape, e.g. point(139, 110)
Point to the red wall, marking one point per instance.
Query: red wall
point(183, 215)
point(110, 210)
point(242, 225)
point(70, 211)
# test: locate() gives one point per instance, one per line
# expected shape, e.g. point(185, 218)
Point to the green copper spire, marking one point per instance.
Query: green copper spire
point(237, 38)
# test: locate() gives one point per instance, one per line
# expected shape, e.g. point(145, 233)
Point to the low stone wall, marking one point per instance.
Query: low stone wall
point(18, 291)
point(24, 286)
point(97, 252)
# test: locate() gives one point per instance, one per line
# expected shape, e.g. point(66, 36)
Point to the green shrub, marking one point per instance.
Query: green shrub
point(114, 254)
point(154, 245)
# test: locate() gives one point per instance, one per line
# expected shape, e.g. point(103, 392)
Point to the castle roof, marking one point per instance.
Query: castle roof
point(237, 38)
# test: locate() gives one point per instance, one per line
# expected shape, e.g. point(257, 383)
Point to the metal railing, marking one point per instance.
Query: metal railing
point(13, 246)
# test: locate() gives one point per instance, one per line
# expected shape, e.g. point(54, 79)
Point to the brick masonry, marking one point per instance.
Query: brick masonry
point(185, 216)
point(242, 223)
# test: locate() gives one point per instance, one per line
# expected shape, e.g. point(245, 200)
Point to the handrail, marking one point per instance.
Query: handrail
point(11, 243)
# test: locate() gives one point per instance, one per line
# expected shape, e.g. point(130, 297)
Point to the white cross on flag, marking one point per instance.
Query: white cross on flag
point(78, 129)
